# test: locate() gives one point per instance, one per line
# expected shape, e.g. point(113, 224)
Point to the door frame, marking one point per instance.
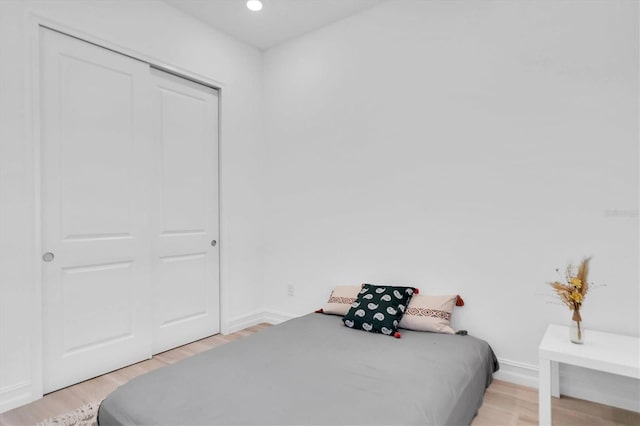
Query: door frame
point(34, 23)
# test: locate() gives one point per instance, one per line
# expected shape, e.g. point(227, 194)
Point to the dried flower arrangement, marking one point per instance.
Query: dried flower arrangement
point(573, 292)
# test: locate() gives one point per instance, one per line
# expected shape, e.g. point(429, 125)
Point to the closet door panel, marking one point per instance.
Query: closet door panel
point(186, 276)
point(185, 150)
point(95, 144)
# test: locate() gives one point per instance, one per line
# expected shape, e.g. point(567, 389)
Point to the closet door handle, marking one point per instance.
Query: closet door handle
point(48, 257)
point(213, 243)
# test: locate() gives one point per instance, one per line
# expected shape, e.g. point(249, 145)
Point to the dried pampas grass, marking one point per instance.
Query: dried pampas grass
point(573, 292)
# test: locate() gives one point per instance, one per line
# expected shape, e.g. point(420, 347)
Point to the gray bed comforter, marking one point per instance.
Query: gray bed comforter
point(314, 371)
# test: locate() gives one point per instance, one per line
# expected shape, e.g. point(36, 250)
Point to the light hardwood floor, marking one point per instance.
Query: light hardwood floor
point(504, 403)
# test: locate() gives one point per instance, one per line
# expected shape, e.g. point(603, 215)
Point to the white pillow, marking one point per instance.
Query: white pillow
point(341, 299)
point(429, 313)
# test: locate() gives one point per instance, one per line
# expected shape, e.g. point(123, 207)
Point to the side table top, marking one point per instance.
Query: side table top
point(609, 352)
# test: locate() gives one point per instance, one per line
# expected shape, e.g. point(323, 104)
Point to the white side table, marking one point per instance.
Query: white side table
point(611, 353)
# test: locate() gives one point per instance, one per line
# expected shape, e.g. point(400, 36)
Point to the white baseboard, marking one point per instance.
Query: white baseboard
point(257, 317)
point(15, 395)
point(518, 373)
point(244, 321)
point(578, 383)
point(276, 317)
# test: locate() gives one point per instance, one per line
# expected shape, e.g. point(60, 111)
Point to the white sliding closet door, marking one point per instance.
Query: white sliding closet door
point(95, 145)
point(185, 228)
point(129, 169)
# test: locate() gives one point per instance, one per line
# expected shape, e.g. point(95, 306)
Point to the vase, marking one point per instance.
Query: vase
point(576, 332)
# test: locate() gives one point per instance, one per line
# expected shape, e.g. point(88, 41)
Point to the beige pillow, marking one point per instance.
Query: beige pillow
point(429, 313)
point(341, 299)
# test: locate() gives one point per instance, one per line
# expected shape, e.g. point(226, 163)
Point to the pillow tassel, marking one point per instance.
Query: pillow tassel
point(319, 311)
point(459, 301)
point(397, 335)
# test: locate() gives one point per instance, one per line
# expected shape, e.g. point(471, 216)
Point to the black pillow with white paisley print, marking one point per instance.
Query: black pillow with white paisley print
point(379, 309)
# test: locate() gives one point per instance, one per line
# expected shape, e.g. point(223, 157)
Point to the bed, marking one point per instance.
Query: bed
point(314, 370)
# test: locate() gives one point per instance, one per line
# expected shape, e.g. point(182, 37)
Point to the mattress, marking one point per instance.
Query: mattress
point(314, 371)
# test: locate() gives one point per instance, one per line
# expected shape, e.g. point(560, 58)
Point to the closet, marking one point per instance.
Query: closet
point(129, 209)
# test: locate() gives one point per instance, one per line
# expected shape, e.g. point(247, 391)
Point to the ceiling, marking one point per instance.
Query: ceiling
point(278, 21)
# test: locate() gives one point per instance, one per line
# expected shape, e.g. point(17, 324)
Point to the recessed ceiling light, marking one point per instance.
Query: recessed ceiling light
point(254, 5)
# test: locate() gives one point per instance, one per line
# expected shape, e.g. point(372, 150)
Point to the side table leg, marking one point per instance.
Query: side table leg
point(544, 392)
point(555, 379)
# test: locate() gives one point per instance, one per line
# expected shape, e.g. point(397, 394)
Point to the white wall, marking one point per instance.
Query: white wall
point(462, 147)
point(160, 32)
